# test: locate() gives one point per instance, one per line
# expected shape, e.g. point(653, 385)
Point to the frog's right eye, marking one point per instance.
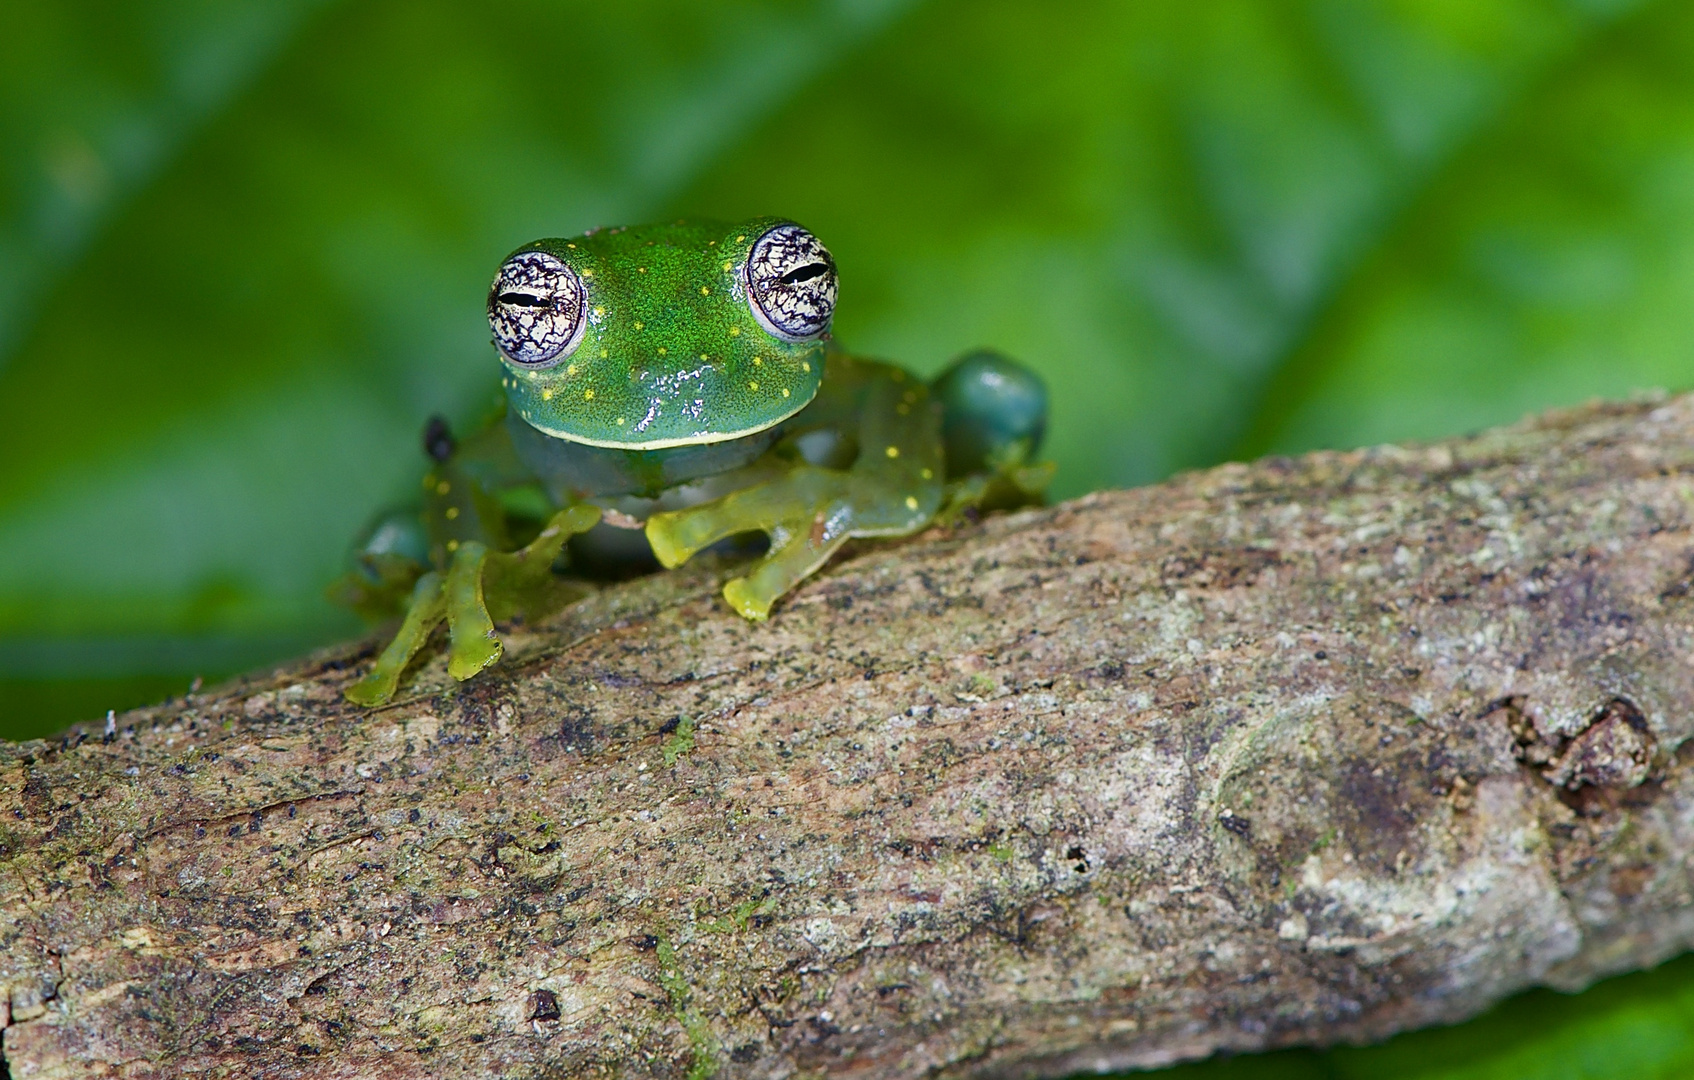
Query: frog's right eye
point(535, 309)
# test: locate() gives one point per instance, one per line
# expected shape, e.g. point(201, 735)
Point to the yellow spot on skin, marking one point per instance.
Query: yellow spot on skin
point(911, 502)
point(785, 391)
point(892, 451)
point(728, 267)
point(570, 245)
point(735, 331)
point(602, 354)
point(909, 396)
point(620, 421)
point(599, 313)
point(588, 395)
point(752, 386)
point(452, 512)
point(805, 365)
point(663, 350)
point(703, 356)
point(588, 272)
point(443, 488)
point(547, 395)
point(640, 269)
point(639, 325)
point(571, 370)
point(452, 545)
point(927, 474)
point(758, 361)
point(738, 239)
point(704, 291)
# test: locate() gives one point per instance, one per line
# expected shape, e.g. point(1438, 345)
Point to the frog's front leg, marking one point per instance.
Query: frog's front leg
point(484, 586)
point(481, 584)
point(893, 488)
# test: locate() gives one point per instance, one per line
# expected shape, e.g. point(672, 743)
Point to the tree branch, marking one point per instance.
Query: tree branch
point(1304, 751)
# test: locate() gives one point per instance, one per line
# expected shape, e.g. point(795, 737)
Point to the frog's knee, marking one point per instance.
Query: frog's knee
point(994, 412)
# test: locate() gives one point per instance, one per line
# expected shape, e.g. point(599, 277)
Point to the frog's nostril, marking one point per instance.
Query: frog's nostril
point(804, 273)
point(518, 299)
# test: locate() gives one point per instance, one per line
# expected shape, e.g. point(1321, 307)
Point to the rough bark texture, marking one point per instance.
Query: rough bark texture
point(1303, 751)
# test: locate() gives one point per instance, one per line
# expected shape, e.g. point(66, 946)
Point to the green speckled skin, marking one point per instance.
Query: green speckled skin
point(672, 355)
point(737, 416)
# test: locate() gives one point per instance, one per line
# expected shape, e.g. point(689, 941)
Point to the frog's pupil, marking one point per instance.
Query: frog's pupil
point(804, 273)
point(518, 299)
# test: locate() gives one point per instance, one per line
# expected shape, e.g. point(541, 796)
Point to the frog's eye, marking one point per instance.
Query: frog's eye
point(535, 309)
point(791, 283)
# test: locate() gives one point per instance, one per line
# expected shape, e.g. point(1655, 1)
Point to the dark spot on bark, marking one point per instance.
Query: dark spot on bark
point(643, 942)
point(1079, 856)
point(1238, 825)
point(544, 1005)
point(412, 816)
point(745, 1053)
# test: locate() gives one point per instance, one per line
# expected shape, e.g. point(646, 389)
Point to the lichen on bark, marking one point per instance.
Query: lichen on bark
point(1301, 751)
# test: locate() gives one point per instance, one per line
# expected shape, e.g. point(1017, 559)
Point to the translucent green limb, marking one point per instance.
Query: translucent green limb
point(469, 625)
point(484, 585)
point(896, 484)
point(427, 608)
point(798, 549)
point(678, 535)
point(480, 585)
point(893, 488)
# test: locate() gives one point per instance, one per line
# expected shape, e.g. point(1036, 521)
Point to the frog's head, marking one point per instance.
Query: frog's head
point(664, 335)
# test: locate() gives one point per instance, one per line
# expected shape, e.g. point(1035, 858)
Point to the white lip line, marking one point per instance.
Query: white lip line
point(666, 444)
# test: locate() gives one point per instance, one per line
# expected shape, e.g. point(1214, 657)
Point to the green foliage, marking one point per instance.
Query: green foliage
point(243, 245)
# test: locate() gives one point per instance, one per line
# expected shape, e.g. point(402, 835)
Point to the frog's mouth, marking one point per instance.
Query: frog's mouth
point(696, 438)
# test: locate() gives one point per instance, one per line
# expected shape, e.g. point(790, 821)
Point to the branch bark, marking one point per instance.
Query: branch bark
point(1302, 751)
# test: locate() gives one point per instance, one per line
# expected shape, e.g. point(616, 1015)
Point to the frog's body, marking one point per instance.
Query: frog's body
point(679, 379)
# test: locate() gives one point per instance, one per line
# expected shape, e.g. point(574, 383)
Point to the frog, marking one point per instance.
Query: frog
point(669, 389)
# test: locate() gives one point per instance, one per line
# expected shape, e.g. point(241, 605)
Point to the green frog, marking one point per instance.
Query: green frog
point(669, 388)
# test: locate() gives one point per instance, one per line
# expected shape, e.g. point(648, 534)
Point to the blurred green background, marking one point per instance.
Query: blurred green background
point(244, 243)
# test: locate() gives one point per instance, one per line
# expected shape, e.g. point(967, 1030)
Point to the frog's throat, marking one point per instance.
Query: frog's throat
point(698, 439)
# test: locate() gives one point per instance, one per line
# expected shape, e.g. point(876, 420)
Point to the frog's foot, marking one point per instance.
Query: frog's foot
point(480, 586)
point(807, 515)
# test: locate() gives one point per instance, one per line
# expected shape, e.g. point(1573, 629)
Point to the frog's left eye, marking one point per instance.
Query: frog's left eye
point(791, 283)
point(535, 309)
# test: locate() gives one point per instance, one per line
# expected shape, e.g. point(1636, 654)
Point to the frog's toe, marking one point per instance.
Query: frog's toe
point(423, 615)
point(474, 645)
